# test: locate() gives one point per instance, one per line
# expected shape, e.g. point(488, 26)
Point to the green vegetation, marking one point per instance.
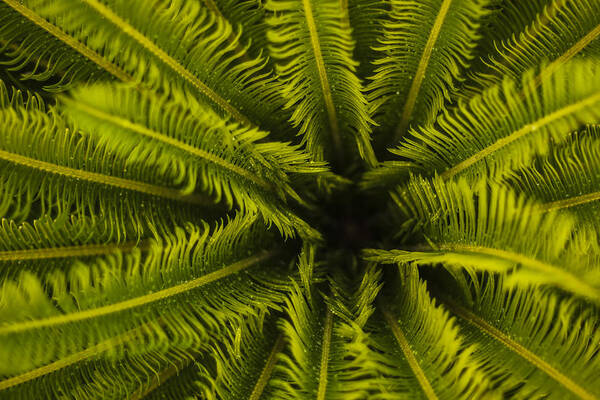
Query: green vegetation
point(300, 199)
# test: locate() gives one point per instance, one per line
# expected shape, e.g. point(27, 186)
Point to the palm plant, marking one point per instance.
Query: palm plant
point(298, 199)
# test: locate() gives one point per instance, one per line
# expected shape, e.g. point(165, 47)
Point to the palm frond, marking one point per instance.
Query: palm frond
point(568, 178)
point(199, 54)
point(564, 30)
point(366, 19)
point(196, 149)
point(245, 359)
point(188, 273)
point(49, 244)
point(505, 127)
point(85, 376)
point(424, 47)
point(250, 17)
point(327, 335)
point(492, 229)
point(32, 46)
point(535, 344)
point(192, 206)
point(420, 349)
point(507, 18)
point(313, 47)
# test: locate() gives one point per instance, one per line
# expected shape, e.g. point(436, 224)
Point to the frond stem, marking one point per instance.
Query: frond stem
point(571, 202)
point(137, 301)
point(129, 30)
point(409, 355)
point(569, 54)
point(531, 127)
point(265, 374)
point(327, 95)
point(69, 251)
point(413, 93)
point(515, 347)
point(326, 345)
point(109, 180)
point(565, 278)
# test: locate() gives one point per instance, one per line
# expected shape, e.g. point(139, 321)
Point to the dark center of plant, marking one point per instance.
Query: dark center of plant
point(349, 222)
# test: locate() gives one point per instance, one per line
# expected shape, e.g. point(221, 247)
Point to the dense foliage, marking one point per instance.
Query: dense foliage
point(299, 199)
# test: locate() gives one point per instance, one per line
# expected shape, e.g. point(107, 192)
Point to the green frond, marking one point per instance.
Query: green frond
point(243, 362)
point(313, 47)
point(43, 52)
point(366, 19)
point(564, 30)
point(568, 178)
point(388, 174)
point(48, 244)
point(134, 376)
point(354, 301)
point(192, 206)
point(535, 344)
point(505, 127)
point(190, 274)
point(420, 349)
point(197, 149)
point(50, 168)
point(181, 383)
point(424, 47)
point(250, 16)
point(507, 19)
point(199, 54)
point(492, 229)
point(327, 356)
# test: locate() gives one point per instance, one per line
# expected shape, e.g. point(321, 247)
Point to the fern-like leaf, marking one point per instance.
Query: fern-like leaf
point(313, 46)
point(492, 229)
point(197, 151)
point(424, 47)
point(550, 343)
point(505, 127)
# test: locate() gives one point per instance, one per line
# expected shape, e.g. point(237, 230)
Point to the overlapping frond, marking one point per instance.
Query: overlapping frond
point(420, 350)
point(49, 167)
point(424, 47)
point(312, 43)
point(505, 127)
point(327, 355)
point(200, 53)
point(366, 19)
point(196, 149)
point(563, 30)
point(568, 178)
point(492, 229)
point(133, 376)
point(191, 274)
point(156, 220)
point(243, 362)
point(42, 51)
point(250, 17)
point(534, 344)
point(48, 244)
point(509, 18)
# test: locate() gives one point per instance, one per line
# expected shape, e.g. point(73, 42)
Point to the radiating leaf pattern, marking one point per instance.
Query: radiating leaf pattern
point(299, 199)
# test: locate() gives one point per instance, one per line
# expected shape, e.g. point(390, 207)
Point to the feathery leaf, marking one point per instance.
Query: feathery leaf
point(313, 47)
